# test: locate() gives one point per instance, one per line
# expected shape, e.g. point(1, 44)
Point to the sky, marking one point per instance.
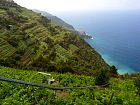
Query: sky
point(53, 6)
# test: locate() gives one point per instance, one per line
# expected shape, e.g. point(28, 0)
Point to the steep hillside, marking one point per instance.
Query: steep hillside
point(55, 19)
point(29, 40)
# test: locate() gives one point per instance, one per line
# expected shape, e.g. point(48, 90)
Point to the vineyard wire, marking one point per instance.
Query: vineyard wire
point(45, 86)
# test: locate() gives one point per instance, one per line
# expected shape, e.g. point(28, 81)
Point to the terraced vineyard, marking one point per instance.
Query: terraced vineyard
point(6, 50)
point(31, 41)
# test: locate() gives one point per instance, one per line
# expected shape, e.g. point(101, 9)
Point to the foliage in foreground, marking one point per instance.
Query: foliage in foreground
point(102, 77)
point(15, 94)
point(137, 84)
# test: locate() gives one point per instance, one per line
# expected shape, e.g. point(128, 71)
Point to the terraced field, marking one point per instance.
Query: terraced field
point(31, 41)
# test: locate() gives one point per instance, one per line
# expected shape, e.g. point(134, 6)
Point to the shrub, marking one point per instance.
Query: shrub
point(102, 77)
point(113, 71)
point(137, 84)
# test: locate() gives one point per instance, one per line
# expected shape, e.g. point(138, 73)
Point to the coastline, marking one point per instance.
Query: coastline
point(122, 69)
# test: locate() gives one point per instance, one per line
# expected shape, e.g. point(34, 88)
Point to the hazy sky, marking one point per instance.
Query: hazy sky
point(79, 5)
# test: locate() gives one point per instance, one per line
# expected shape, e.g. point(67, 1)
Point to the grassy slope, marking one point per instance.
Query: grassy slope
point(34, 42)
point(13, 94)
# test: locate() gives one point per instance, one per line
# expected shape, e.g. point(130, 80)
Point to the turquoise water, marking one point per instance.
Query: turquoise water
point(122, 68)
point(116, 36)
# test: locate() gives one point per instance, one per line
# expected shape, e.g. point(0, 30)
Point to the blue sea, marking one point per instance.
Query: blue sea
point(116, 35)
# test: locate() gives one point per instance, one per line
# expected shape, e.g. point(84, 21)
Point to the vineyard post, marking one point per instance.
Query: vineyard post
point(92, 93)
point(35, 98)
point(110, 101)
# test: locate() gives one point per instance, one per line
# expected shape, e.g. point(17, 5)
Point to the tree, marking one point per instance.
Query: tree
point(102, 77)
point(137, 84)
point(113, 71)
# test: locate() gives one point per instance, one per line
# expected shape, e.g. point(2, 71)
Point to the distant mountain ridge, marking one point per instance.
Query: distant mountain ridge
point(55, 19)
point(62, 23)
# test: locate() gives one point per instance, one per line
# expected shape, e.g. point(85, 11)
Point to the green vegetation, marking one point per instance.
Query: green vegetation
point(16, 94)
point(137, 84)
point(54, 19)
point(102, 77)
point(31, 41)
